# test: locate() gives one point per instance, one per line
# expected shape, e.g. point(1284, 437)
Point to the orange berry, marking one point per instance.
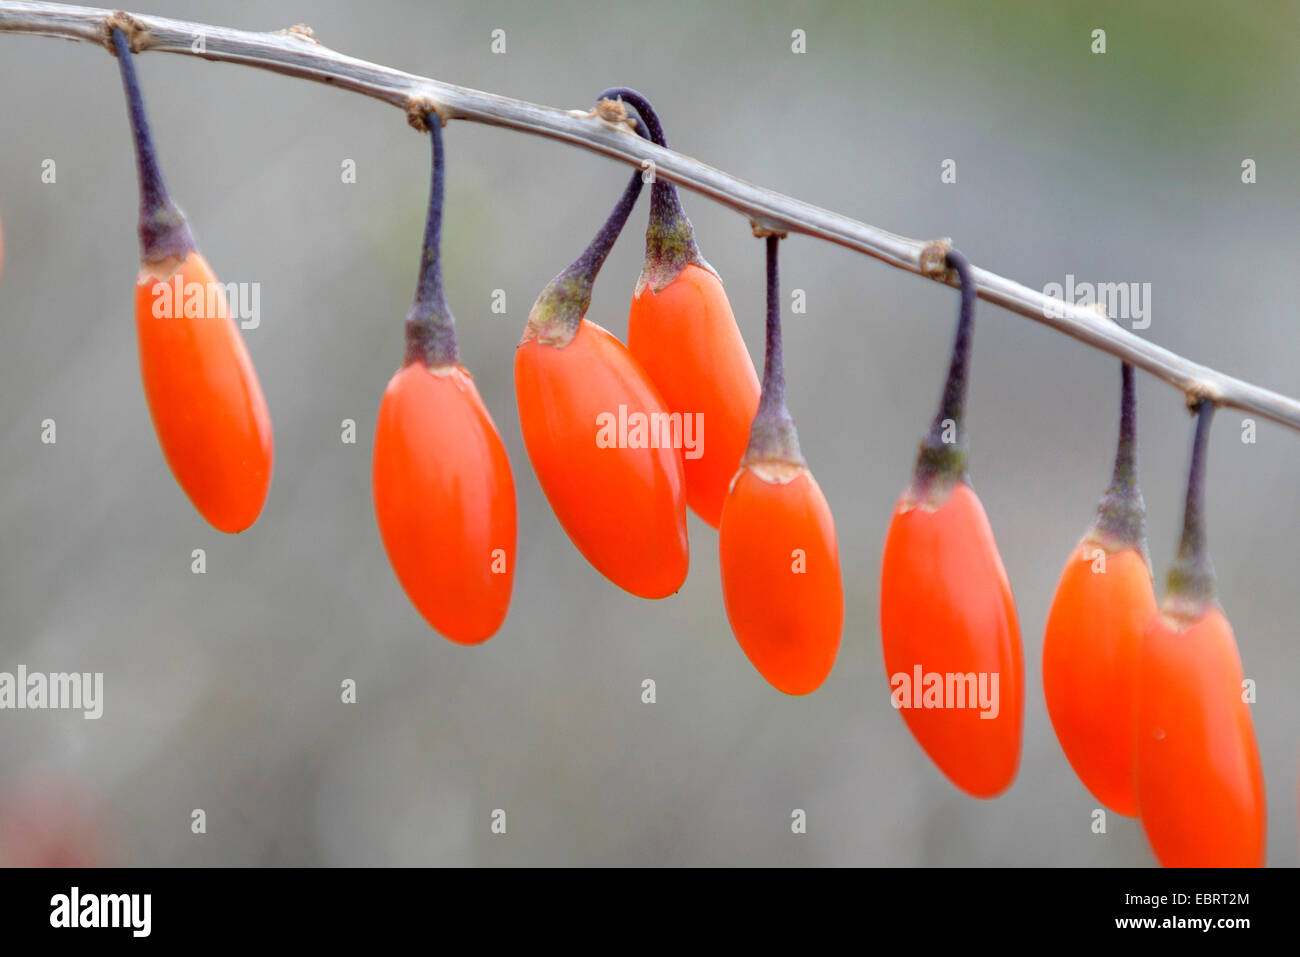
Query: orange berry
point(946, 608)
point(621, 502)
point(1103, 603)
point(202, 392)
point(1200, 783)
point(687, 340)
point(776, 542)
point(781, 575)
point(682, 332)
point(203, 395)
point(443, 491)
point(947, 618)
point(445, 501)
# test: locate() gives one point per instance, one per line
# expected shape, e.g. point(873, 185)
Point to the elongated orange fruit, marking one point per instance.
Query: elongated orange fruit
point(202, 392)
point(203, 395)
point(600, 441)
point(952, 639)
point(777, 549)
point(443, 490)
point(445, 501)
point(1200, 785)
point(781, 578)
point(687, 339)
point(606, 449)
point(681, 330)
point(1200, 782)
point(948, 624)
point(1104, 602)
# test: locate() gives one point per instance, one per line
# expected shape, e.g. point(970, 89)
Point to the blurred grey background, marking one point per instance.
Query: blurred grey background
point(222, 691)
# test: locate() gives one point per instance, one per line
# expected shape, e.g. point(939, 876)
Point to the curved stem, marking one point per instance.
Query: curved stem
point(654, 129)
point(669, 238)
point(430, 326)
point(559, 309)
point(1191, 578)
point(943, 450)
point(953, 405)
point(1121, 515)
point(587, 266)
point(772, 436)
point(164, 232)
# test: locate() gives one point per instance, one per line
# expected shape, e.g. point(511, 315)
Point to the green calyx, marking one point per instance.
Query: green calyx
point(431, 340)
point(559, 310)
point(1121, 514)
point(669, 242)
point(940, 462)
point(773, 437)
point(1192, 580)
point(1191, 583)
point(164, 233)
point(1121, 520)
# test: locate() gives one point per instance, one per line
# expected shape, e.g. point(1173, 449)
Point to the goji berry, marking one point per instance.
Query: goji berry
point(443, 490)
point(1200, 785)
point(778, 553)
point(1103, 603)
point(199, 383)
point(682, 331)
point(604, 446)
point(947, 617)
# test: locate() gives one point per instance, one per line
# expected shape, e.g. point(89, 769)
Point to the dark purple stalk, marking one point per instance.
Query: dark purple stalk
point(164, 232)
point(430, 326)
point(670, 239)
point(943, 450)
point(587, 266)
point(772, 436)
point(1121, 516)
point(563, 303)
point(1191, 578)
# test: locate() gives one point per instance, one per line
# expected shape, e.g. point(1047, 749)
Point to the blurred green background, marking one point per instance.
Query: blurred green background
point(222, 690)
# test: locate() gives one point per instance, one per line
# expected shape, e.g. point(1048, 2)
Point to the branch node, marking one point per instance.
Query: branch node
point(1198, 393)
point(762, 232)
point(933, 262)
point(137, 36)
point(419, 107)
point(615, 113)
point(302, 32)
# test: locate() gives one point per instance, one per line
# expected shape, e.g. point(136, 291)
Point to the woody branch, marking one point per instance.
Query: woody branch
point(295, 52)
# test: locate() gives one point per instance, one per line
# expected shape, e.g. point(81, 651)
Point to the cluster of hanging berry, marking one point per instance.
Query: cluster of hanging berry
point(1145, 699)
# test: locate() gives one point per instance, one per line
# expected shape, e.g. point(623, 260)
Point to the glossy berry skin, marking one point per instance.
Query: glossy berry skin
point(445, 501)
point(624, 508)
point(202, 392)
point(1200, 785)
point(686, 339)
point(1103, 603)
point(781, 575)
point(946, 606)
